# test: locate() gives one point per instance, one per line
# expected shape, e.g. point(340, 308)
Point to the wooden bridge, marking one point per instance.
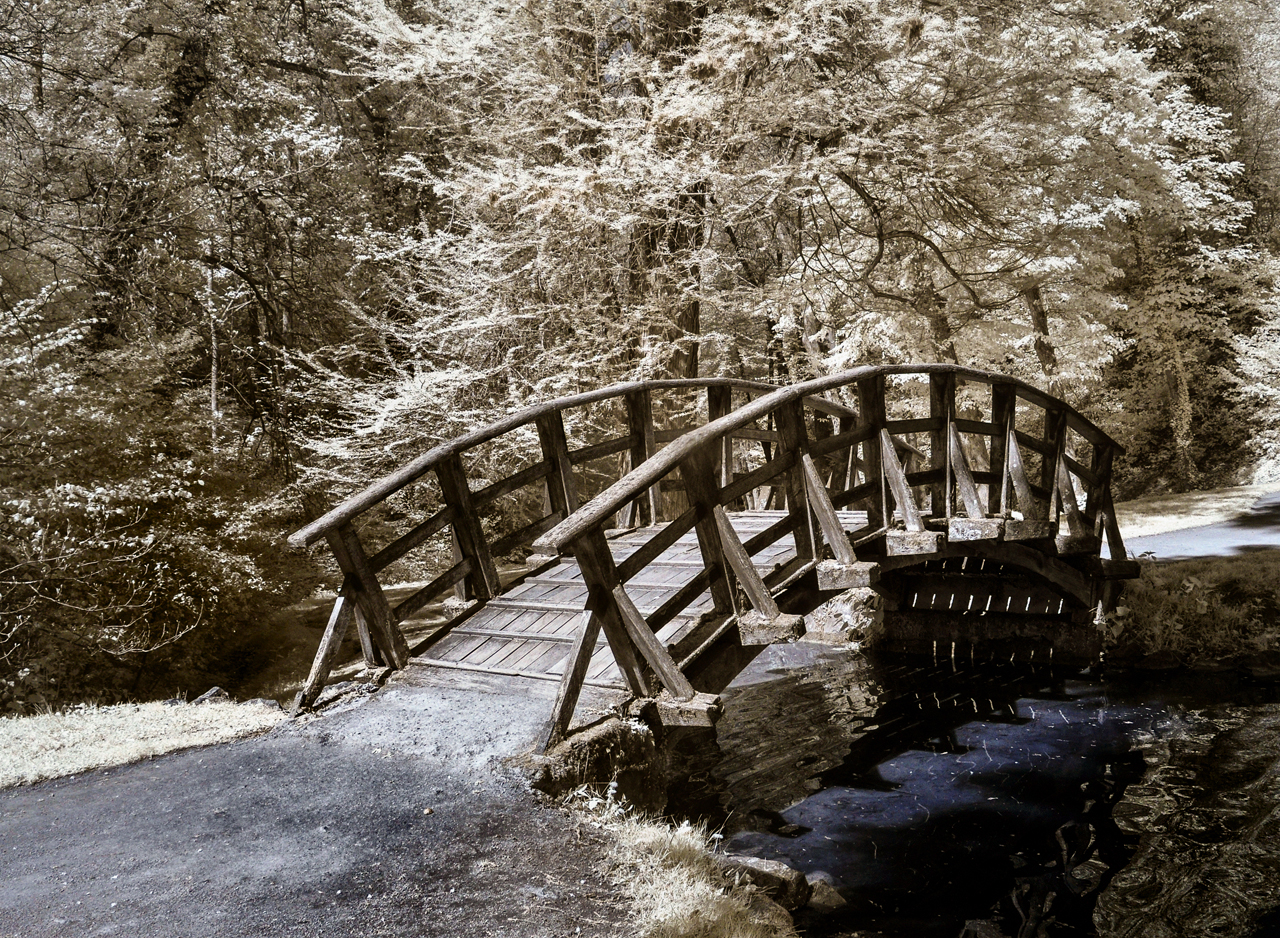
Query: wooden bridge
point(673, 517)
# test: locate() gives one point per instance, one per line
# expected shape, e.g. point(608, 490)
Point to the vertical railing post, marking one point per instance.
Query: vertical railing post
point(720, 404)
point(793, 439)
point(1055, 441)
point(697, 472)
point(1003, 406)
point(871, 406)
point(471, 542)
point(562, 490)
point(371, 602)
point(942, 405)
point(640, 425)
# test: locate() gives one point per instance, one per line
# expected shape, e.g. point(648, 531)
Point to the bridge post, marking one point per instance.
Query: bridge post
point(639, 406)
point(370, 600)
point(562, 490)
point(942, 405)
point(720, 404)
point(1003, 406)
point(872, 410)
point(467, 529)
point(794, 440)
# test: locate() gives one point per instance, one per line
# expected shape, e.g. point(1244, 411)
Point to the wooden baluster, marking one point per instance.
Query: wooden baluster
point(1100, 467)
point(848, 464)
point(595, 560)
point(372, 603)
point(967, 488)
point(720, 404)
point(562, 490)
point(1055, 440)
point(872, 407)
point(327, 653)
point(1003, 406)
point(794, 439)
point(698, 475)
point(897, 479)
point(828, 521)
point(483, 577)
point(640, 425)
point(942, 406)
point(575, 673)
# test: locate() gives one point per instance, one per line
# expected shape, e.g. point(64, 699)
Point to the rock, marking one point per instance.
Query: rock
point(212, 694)
point(770, 914)
point(265, 702)
point(856, 615)
point(825, 899)
point(172, 702)
point(786, 886)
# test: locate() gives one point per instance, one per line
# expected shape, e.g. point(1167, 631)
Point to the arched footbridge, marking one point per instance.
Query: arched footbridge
point(619, 537)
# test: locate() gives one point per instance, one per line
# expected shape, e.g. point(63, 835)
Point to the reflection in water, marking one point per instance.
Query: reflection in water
point(936, 799)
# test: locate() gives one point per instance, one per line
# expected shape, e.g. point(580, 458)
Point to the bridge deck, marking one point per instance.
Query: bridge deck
point(527, 631)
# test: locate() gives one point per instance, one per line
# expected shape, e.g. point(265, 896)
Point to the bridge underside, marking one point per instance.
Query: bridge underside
point(934, 592)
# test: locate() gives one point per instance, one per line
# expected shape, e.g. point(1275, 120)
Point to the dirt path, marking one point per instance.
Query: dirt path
point(392, 816)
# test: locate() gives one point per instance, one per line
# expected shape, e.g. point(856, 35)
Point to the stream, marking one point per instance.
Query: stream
point(989, 799)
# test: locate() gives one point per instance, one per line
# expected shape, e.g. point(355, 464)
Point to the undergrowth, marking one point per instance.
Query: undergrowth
point(1204, 608)
point(670, 874)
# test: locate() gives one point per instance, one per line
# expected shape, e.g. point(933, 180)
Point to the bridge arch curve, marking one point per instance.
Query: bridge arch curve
point(869, 479)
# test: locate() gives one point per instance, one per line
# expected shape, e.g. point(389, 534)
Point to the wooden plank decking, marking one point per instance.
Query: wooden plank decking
point(527, 632)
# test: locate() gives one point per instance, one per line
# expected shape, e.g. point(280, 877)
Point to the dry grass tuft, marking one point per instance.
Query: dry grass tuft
point(676, 888)
point(1206, 608)
point(53, 745)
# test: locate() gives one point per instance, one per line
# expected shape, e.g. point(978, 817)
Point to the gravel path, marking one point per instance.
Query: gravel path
point(394, 815)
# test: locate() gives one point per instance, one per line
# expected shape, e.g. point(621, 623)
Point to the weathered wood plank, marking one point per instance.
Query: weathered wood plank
point(942, 405)
point(829, 523)
point(965, 484)
point(467, 529)
point(539, 470)
point(620, 444)
point(562, 490)
point(651, 649)
point(640, 422)
point(414, 538)
point(330, 644)
point(370, 598)
point(655, 546)
point(897, 480)
point(743, 569)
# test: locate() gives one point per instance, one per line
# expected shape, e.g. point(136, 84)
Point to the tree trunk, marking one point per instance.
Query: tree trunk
point(1045, 351)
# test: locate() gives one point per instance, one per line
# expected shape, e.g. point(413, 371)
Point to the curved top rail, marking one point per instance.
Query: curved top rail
point(394, 481)
point(594, 513)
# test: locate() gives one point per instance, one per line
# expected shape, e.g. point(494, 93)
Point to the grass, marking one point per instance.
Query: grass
point(676, 888)
point(52, 745)
point(1214, 607)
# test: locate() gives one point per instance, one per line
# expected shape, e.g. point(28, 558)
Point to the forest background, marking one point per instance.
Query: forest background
point(253, 251)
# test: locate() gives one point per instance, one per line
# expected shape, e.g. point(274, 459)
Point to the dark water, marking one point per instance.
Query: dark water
point(947, 798)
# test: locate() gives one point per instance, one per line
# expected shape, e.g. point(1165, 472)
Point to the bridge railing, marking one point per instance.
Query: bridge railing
point(932, 454)
point(528, 467)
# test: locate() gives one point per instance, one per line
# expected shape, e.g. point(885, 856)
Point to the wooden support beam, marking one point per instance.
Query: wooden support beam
point(828, 521)
point(562, 490)
point(368, 648)
point(967, 488)
point(386, 634)
point(575, 672)
point(720, 404)
point(330, 643)
point(1003, 406)
point(651, 649)
point(699, 482)
point(794, 441)
point(1017, 475)
point(640, 423)
point(872, 407)
point(467, 529)
point(743, 569)
point(942, 406)
point(601, 576)
point(897, 480)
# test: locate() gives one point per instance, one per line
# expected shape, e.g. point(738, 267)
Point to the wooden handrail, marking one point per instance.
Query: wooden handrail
point(648, 474)
point(393, 482)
